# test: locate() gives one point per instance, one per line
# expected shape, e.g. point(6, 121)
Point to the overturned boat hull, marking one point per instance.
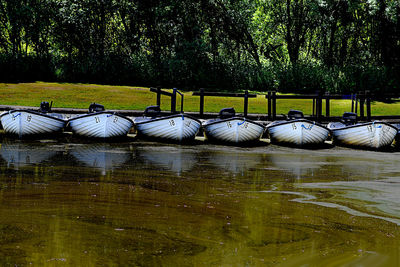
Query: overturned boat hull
point(29, 123)
point(177, 128)
point(373, 135)
point(101, 125)
point(233, 130)
point(298, 132)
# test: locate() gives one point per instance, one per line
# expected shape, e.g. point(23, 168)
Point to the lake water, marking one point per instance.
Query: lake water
point(73, 202)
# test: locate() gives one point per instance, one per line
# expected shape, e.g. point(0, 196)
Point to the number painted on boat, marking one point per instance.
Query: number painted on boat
point(369, 127)
point(29, 118)
point(245, 125)
point(115, 119)
point(172, 123)
point(97, 119)
point(228, 123)
point(187, 124)
point(294, 127)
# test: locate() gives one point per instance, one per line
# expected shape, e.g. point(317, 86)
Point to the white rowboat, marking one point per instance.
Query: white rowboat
point(178, 127)
point(230, 129)
point(373, 135)
point(298, 132)
point(101, 124)
point(233, 130)
point(29, 123)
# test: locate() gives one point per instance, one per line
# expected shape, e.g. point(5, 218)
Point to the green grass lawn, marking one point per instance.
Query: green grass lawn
point(70, 95)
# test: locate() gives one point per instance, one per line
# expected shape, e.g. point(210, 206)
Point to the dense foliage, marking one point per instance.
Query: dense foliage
point(288, 45)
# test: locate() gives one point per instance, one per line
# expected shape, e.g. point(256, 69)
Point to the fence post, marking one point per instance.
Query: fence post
point(313, 107)
point(182, 98)
point(368, 96)
point(246, 102)
point(362, 101)
point(319, 105)
point(274, 105)
point(356, 103)
point(352, 102)
point(316, 105)
point(173, 101)
point(201, 102)
point(269, 105)
point(327, 105)
point(159, 96)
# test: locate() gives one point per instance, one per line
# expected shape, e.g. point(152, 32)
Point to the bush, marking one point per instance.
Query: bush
point(187, 72)
point(302, 78)
point(25, 68)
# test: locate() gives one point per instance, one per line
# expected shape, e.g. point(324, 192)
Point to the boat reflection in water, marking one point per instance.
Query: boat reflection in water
point(300, 164)
point(172, 158)
point(103, 156)
point(237, 162)
point(20, 153)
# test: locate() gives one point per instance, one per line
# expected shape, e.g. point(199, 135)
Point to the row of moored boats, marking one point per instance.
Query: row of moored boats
point(227, 128)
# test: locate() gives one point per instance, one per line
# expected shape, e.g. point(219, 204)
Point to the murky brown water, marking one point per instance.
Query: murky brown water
point(64, 202)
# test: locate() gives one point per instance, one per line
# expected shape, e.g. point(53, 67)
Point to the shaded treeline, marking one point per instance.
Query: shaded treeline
point(288, 45)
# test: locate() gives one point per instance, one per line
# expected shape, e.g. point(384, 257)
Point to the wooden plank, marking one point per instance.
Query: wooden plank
point(224, 94)
point(306, 96)
point(161, 92)
point(313, 96)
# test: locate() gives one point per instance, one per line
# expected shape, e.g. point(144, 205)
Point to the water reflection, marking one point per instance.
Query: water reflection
point(358, 182)
point(333, 164)
point(300, 164)
point(103, 156)
point(359, 165)
point(175, 205)
point(185, 159)
point(177, 159)
point(237, 162)
point(20, 153)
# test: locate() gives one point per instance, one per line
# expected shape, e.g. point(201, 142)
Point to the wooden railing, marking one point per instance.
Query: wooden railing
point(363, 98)
point(361, 101)
point(246, 97)
point(172, 95)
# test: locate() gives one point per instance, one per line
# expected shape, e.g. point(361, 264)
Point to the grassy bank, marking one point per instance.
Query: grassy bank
point(69, 95)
